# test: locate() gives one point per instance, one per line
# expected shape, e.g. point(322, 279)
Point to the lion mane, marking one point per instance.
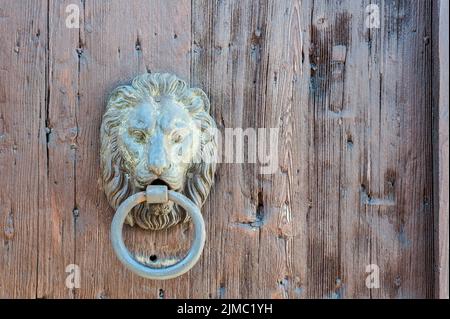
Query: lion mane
point(116, 180)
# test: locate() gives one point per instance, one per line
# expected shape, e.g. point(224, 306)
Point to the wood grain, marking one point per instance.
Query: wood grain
point(113, 53)
point(441, 151)
point(23, 164)
point(56, 238)
point(400, 153)
point(354, 180)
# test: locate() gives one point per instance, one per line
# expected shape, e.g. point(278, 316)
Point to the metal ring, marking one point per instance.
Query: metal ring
point(154, 195)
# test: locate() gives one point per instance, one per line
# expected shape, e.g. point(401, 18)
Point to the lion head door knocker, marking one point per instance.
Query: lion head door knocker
point(158, 161)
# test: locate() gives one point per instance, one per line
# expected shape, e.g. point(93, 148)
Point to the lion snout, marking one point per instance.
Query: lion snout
point(157, 165)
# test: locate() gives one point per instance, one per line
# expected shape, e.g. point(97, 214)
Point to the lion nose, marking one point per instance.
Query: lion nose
point(157, 160)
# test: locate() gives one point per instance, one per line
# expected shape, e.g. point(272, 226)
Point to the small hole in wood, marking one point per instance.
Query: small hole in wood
point(153, 258)
point(349, 140)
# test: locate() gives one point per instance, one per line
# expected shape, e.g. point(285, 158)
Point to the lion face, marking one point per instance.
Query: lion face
point(156, 132)
point(157, 141)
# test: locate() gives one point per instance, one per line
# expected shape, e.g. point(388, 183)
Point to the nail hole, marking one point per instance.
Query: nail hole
point(137, 45)
point(153, 258)
point(349, 140)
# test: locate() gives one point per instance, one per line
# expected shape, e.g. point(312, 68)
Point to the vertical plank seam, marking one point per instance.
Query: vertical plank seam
point(312, 96)
point(433, 5)
point(75, 202)
point(435, 88)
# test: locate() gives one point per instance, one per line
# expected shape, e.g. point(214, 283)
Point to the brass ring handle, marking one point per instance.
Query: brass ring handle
point(158, 194)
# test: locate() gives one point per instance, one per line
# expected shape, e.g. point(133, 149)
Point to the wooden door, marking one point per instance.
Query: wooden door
point(353, 104)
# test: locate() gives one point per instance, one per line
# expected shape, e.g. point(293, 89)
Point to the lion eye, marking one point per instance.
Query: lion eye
point(177, 138)
point(138, 136)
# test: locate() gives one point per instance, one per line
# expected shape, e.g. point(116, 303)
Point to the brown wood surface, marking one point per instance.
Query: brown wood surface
point(353, 107)
point(441, 151)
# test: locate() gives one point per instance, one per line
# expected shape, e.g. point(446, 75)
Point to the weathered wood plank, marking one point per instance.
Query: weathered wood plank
point(328, 33)
point(23, 160)
point(382, 126)
point(441, 151)
point(119, 41)
point(351, 59)
point(398, 179)
point(57, 219)
point(222, 65)
point(285, 194)
point(249, 90)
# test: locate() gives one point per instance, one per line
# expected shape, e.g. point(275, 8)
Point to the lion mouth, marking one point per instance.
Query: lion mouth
point(161, 182)
point(142, 184)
